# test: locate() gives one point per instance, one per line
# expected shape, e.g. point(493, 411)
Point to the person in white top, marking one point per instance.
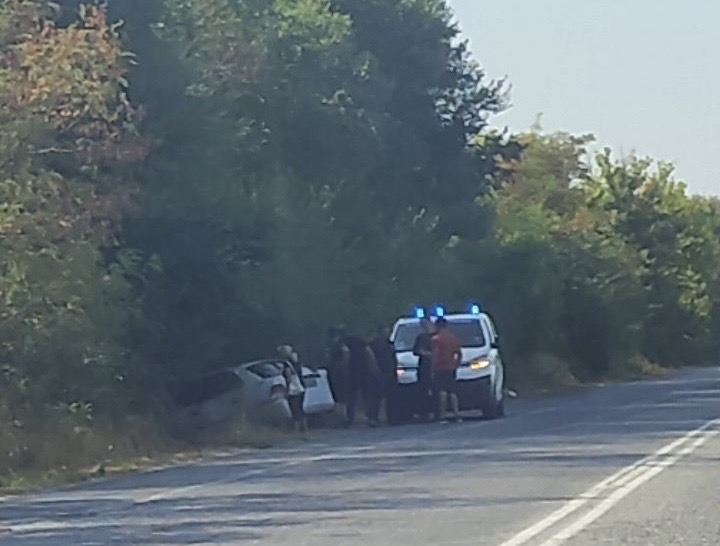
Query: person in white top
point(296, 387)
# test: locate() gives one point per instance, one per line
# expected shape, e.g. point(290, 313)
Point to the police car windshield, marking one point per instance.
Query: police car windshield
point(467, 330)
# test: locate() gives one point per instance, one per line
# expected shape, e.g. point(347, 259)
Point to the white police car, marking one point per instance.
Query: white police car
point(480, 375)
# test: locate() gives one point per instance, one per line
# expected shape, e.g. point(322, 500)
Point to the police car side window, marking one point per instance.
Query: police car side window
point(405, 335)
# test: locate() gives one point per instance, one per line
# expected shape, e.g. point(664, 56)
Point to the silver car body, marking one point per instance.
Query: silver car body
point(264, 390)
point(318, 396)
point(256, 390)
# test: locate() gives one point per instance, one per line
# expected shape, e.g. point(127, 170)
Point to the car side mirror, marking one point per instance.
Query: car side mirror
point(495, 344)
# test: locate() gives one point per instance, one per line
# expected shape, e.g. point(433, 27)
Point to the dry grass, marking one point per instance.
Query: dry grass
point(58, 454)
point(239, 434)
point(60, 451)
point(544, 374)
point(637, 369)
point(548, 375)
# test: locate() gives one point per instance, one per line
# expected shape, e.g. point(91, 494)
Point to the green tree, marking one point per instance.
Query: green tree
point(305, 157)
point(556, 279)
point(677, 238)
point(66, 134)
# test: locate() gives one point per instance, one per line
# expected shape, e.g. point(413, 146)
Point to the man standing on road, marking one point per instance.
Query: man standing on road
point(386, 358)
point(423, 350)
point(446, 355)
point(338, 362)
point(364, 380)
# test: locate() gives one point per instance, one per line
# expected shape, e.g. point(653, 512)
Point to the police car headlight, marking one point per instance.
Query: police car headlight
point(479, 364)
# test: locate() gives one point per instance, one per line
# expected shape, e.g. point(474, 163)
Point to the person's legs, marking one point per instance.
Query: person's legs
point(442, 404)
point(453, 394)
point(455, 405)
point(447, 392)
point(426, 399)
point(302, 420)
point(338, 388)
point(373, 398)
point(422, 405)
point(433, 402)
point(295, 410)
point(352, 399)
point(391, 404)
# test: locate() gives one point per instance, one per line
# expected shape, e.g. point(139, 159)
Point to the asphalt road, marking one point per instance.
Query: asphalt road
point(629, 464)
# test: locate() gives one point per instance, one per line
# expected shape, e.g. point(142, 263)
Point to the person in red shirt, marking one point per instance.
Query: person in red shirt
point(446, 355)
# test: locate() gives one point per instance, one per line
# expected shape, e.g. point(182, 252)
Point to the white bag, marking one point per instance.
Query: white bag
point(294, 385)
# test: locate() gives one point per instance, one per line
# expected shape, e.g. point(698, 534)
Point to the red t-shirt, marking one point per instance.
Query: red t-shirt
point(445, 350)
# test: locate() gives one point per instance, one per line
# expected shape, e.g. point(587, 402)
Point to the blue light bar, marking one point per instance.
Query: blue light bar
point(439, 311)
point(475, 309)
point(419, 312)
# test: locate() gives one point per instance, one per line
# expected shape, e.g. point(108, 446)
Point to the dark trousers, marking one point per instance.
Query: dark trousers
point(339, 384)
point(392, 407)
point(296, 402)
point(425, 402)
point(370, 393)
point(425, 398)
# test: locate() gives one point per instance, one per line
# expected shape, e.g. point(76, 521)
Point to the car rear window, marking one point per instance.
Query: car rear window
point(467, 330)
point(266, 369)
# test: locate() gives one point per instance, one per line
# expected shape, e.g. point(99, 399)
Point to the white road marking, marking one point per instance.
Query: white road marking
point(647, 465)
point(630, 485)
point(47, 526)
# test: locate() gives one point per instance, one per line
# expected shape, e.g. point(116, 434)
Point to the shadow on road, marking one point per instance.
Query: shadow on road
point(223, 519)
point(403, 470)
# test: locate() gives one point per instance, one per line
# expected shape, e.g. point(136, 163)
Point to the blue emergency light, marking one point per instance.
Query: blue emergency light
point(419, 313)
point(475, 309)
point(439, 311)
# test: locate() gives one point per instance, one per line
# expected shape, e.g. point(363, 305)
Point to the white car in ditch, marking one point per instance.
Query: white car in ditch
point(255, 389)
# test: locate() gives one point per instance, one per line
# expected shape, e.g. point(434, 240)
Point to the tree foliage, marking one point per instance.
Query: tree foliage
point(66, 135)
point(597, 260)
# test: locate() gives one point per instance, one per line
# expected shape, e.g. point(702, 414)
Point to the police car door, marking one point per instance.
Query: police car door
point(495, 356)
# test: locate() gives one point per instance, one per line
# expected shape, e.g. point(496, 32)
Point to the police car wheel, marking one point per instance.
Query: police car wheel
point(493, 408)
point(501, 408)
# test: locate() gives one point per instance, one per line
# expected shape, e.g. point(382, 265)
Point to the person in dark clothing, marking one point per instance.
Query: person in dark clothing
point(386, 358)
point(364, 380)
point(423, 350)
point(338, 362)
